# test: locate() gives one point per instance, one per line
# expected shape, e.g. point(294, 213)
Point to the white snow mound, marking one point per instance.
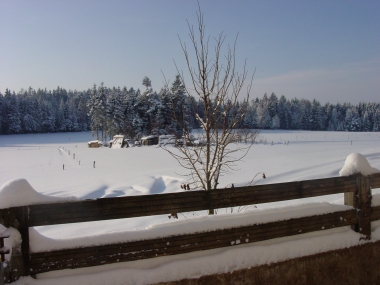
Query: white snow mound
point(357, 163)
point(19, 192)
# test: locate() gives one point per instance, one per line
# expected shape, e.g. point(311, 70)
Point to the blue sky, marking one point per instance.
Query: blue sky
point(328, 50)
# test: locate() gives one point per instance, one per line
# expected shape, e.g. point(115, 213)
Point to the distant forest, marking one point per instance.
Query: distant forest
point(135, 113)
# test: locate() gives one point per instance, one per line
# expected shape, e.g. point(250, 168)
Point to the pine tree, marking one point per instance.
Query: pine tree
point(352, 120)
point(180, 107)
point(130, 113)
point(146, 82)
point(296, 114)
point(47, 124)
point(140, 121)
point(101, 101)
point(275, 122)
point(376, 120)
point(250, 119)
point(115, 113)
point(272, 105)
point(366, 122)
point(315, 119)
point(164, 114)
point(282, 112)
point(82, 110)
point(306, 113)
point(97, 111)
point(65, 122)
point(13, 114)
point(264, 120)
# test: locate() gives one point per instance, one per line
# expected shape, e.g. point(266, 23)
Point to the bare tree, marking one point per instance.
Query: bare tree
point(219, 87)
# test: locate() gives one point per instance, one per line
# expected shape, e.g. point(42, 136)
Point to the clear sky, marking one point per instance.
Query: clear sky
point(325, 49)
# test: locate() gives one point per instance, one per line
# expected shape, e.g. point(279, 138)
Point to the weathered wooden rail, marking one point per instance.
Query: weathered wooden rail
point(356, 189)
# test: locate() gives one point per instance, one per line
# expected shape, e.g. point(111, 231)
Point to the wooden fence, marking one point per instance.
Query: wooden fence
point(356, 189)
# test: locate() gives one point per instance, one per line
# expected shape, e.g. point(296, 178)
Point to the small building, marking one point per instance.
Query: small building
point(94, 144)
point(149, 140)
point(167, 139)
point(117, 142)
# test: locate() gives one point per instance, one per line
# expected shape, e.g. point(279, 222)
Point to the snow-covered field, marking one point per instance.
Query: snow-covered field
point(62, 165)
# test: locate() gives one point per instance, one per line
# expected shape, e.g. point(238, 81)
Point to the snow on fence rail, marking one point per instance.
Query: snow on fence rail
point(356, 189)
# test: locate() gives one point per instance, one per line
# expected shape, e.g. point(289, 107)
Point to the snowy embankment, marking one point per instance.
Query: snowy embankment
point(19, 192)
point(148, 170)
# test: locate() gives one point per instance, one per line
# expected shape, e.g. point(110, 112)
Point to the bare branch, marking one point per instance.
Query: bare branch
point(218, 85)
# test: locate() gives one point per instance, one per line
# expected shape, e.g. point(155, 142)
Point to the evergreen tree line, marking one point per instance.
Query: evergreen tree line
point(279, 113)
point(135, 113)
point(43, 111)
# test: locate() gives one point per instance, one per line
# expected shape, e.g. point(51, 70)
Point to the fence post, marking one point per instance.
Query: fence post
point(18, 218)
point(3, 250)
point(23, 214)
point(364, 206)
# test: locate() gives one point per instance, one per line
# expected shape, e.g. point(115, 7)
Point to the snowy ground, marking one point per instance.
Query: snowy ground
point(150, 170)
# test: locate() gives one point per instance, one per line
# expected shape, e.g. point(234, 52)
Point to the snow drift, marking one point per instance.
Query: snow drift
point(19, 192)
point(356, 163)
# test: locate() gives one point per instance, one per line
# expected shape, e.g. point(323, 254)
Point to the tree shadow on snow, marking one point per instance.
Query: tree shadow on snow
point(96, 193)
point(158, 186)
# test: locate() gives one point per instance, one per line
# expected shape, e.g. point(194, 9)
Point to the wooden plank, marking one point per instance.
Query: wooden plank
point(107, 203)
point(106, 214)
point(134, 246)
point(106, 254)
point(184, 196)
point(128, 200)
point(374, 180)
point(215, 199)
point(324, 185)
point(284, 191)
point(326, 182)
point(255, 197)
point(93, 211)
point(375, 214)
point(264, 228)
point(147, 205)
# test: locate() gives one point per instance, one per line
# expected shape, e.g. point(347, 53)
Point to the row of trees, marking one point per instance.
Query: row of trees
point(110, 111)
point(136, 113)
point(42, 111)
point(272, 112)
